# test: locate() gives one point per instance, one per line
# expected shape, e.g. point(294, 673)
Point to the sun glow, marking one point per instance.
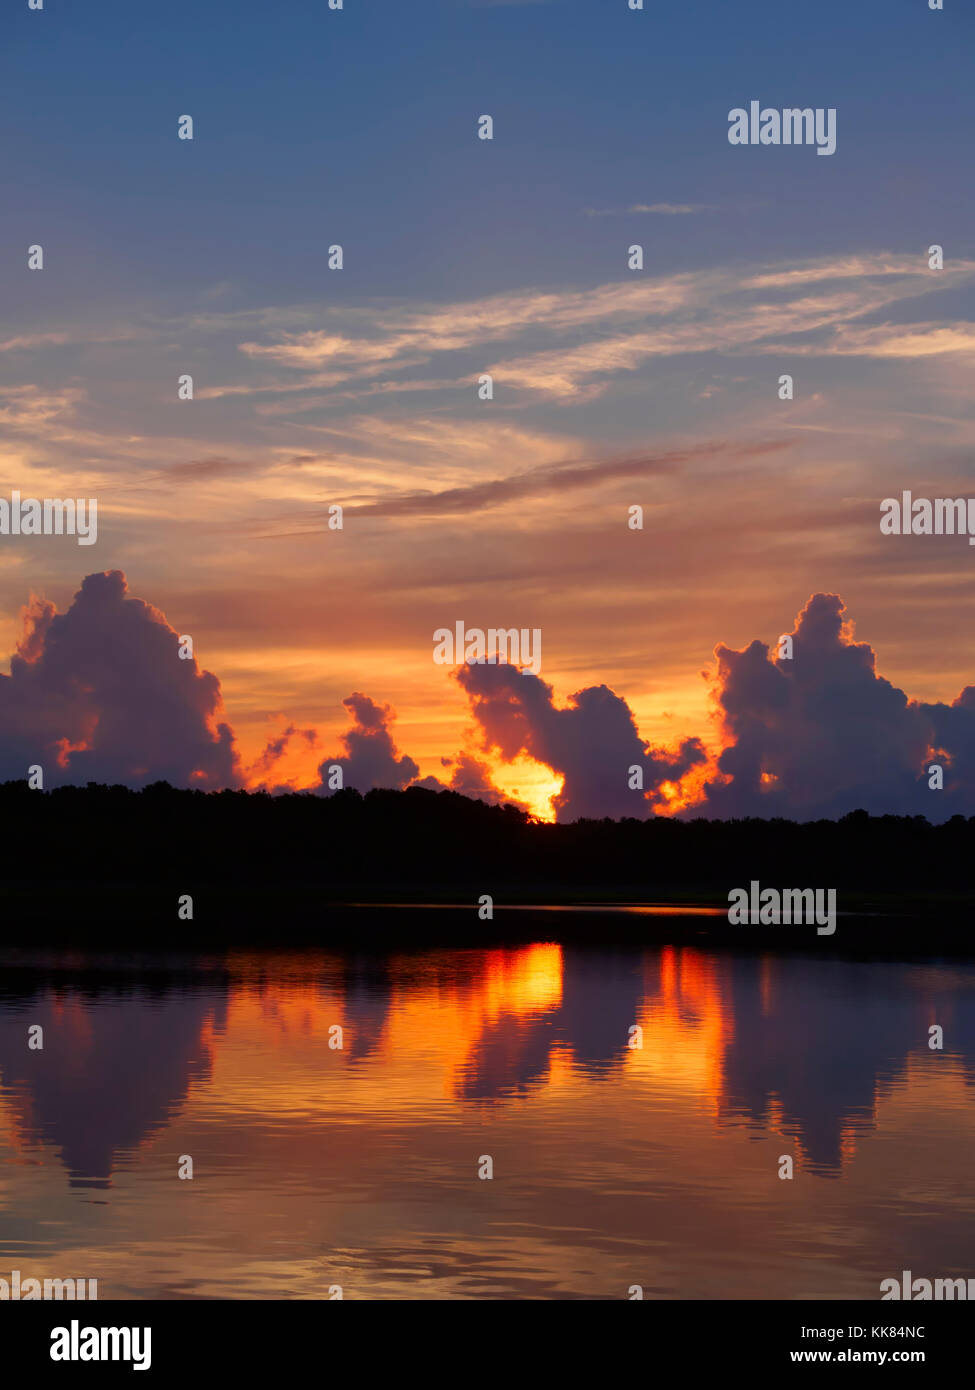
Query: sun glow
point(531, 783)
point(688, 791)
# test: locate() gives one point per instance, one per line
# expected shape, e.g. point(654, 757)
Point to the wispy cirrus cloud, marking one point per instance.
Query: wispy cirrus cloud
point(537, 482)
point(560, 345)
point(29, 407)
point(572, 344)
point(661, 209)
point(892, 340)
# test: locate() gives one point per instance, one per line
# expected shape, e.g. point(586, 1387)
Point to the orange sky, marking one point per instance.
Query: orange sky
point(513, 512)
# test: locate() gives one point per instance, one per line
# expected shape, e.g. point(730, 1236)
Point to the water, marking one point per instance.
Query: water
point(316, 1166)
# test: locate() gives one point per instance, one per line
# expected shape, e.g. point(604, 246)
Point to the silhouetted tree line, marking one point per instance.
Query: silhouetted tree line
point(439, 842)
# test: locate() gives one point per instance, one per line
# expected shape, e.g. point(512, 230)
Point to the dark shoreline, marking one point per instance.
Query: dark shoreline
point(143, 916)
point(95, 863)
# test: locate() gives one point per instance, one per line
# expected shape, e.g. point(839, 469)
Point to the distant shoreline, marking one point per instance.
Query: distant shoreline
point(395, 868)
point(145, 916)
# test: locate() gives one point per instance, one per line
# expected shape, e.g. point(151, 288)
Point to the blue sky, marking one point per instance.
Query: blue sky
point(314, 125)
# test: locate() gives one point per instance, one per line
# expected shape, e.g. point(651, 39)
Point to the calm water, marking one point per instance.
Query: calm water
point(613, 1165)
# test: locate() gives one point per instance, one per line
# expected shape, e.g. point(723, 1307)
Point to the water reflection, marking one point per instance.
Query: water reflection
point(447, 1054)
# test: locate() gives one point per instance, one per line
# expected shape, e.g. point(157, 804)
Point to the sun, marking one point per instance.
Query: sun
point(533, 784)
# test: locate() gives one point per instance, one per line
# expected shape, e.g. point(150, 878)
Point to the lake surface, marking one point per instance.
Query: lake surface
point(614, 1165)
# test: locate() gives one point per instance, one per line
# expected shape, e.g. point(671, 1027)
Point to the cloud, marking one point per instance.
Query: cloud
point(99, 693)
point(31, 342)
point(723, 310)
point(197, 470)
point(661, 209)
point(27, 342)
point(371, 758)
point(592, 742)
point(894, 340)
point(28, 408)
point(554, 480)
point(822, 734)
point(471, 777)
point(733, 325)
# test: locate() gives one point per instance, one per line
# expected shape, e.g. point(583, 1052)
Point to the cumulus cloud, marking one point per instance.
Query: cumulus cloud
point(471, 777)
point(954, 735)
point(370, 758)
point(822, 734)
point(100, 693)
point(593, 741)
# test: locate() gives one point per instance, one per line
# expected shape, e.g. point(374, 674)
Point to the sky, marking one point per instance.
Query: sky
point(613, 388)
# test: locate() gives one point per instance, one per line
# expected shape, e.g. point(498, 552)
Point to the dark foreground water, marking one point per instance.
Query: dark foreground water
point(317, 1166)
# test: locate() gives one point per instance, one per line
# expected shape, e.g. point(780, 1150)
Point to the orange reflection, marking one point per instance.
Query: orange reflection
point(437, 1023)
point(686, 1026)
